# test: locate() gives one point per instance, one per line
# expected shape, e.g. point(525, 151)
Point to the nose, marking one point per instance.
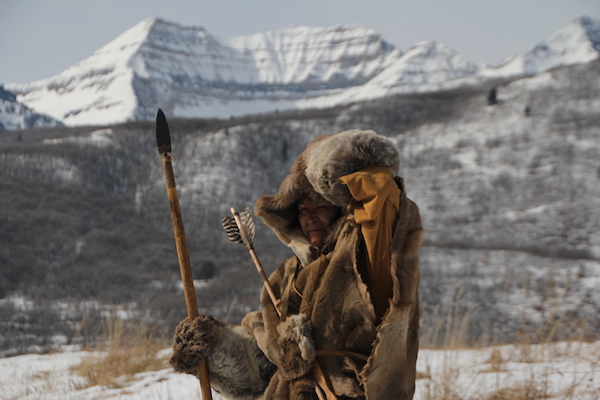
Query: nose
point(312, 216)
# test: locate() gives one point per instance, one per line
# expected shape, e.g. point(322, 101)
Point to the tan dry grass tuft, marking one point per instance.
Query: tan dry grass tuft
point(443, 386)
point(128, 349)
point(527, 391)
point(496, 361)
point(450, 331)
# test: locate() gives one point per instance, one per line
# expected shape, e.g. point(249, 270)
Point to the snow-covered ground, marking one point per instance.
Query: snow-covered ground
point(548, 371)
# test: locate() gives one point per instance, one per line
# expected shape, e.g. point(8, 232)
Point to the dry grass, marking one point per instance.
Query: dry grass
point(496, 361)
point(515, 370)
point(127, 350)
point(450, 331)
point(443, 386)
point(526, 391)
point(456, 378)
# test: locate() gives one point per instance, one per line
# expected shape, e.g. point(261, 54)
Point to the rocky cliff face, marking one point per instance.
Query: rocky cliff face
point(317, 58)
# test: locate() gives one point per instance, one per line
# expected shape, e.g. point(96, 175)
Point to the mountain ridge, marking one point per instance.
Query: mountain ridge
point(578, 41)
point(188, 72)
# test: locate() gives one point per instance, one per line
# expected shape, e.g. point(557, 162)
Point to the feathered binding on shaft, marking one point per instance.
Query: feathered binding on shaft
point(233, 231)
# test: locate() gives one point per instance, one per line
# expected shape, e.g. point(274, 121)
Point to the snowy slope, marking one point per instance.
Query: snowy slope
point(188, 72)
point(97, 90)
point(424, 67)
point(577, 42)
point(109, 86)
point(14, 115)
point(335, 56)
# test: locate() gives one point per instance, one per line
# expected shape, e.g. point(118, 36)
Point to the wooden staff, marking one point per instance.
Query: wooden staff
point(163, 140)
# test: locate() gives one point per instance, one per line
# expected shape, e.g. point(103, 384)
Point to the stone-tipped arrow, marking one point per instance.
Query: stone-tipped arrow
point(240, 229)
point(163, 141)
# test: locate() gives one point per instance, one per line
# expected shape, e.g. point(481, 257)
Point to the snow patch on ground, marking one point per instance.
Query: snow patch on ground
point(566, 370)
point(99, 138)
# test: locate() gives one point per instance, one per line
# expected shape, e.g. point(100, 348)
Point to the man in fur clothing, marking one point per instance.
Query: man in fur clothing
point(349, 298)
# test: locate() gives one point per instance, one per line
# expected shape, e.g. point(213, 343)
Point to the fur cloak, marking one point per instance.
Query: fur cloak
point(331, 318)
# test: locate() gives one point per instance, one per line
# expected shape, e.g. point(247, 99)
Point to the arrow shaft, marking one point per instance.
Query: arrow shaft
point(257, 264)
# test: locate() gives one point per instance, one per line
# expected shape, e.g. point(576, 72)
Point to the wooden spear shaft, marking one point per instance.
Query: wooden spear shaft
point(184, 266)
point(180, 241)
point(164, 147)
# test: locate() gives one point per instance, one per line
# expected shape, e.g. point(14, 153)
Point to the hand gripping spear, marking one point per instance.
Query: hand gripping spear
point(240, 229)
point(163, 141)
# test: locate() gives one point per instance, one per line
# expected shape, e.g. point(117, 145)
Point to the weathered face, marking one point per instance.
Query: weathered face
point(315, 218)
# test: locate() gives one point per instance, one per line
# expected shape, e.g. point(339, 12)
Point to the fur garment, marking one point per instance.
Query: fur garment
point(238, 369)
point(296, 346)
point(333, 294)
point(330, 320)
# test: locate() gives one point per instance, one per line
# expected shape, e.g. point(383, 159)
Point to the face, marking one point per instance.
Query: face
point(315, 218)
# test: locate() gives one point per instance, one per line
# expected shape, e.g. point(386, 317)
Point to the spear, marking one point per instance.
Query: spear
point(163, 141)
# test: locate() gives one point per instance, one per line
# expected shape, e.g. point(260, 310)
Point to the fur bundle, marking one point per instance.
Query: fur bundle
point(192, 342)
point(298, 352)
point(238, 369)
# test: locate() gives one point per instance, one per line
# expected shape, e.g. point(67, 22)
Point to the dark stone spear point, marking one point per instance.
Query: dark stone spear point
point(163, 136)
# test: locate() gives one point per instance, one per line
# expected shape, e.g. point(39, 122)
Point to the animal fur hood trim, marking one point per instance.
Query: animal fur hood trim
point(316, 173)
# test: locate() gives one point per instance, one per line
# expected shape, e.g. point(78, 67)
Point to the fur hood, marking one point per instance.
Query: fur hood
point(316, 173)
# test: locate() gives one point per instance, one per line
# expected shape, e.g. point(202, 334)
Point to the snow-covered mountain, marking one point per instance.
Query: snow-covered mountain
point(577, 42)
point(14, 115)
point(189, 73)
point(317, 58)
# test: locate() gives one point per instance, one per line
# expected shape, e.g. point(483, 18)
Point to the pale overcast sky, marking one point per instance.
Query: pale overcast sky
point(40, 38)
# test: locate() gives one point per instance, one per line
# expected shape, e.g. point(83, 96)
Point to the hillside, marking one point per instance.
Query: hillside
point(508, 195)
